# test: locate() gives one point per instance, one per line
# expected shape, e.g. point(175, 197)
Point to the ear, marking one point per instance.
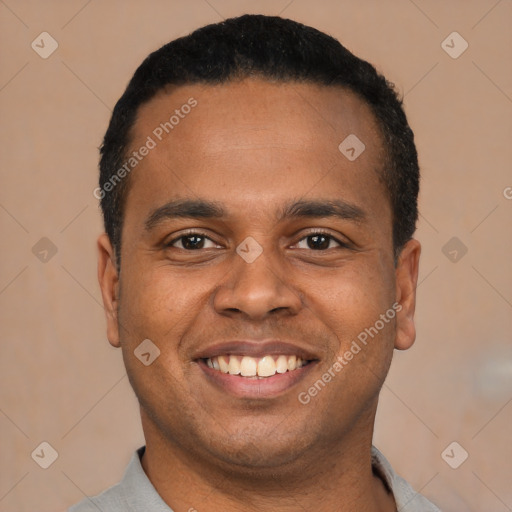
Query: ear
point(406, 282)
point(109, 284)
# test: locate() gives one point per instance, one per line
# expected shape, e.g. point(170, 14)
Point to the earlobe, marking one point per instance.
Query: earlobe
point(109, 283)
point(406, 283)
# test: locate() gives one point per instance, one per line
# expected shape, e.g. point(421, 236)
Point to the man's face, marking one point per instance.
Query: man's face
point(270, 276)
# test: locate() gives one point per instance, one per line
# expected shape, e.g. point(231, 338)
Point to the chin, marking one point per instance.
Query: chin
point(251, 454)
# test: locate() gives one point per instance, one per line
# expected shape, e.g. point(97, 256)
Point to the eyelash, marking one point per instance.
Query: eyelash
point(169, 245)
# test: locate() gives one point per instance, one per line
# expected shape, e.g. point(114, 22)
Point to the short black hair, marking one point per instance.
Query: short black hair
point(275, 49)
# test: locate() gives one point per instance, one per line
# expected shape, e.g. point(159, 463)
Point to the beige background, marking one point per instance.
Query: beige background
point(63, 383)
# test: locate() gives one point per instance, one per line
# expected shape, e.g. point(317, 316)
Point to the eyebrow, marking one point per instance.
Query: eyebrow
point(204, 209)
point(184, 208)
point(337, 208)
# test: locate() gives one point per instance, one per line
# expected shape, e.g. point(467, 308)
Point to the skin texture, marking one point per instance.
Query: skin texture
point(253, 146)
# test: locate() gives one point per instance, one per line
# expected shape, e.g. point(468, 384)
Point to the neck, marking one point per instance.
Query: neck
point(329, 478)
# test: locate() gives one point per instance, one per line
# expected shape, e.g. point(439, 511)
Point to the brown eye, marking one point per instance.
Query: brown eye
point(319, 242)
point(192, 242)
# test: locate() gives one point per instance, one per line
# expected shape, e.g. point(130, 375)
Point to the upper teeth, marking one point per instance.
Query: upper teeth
point(247, 366)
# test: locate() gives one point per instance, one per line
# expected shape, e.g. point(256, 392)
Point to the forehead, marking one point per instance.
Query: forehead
point(255, 142)
point(298, 113)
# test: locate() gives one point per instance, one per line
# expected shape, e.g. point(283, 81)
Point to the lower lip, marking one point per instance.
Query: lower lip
point(254, 387)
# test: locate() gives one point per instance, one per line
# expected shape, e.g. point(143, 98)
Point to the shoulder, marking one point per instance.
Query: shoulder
point(111, 500)
point(134, 492)
point(406, 498)
point(115, 498)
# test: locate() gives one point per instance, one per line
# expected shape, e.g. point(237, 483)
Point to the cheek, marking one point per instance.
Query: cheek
point(353, 304)
point(154, 312)
point(163, 307)
point(352, 307)
point(354, 299)
point(153, 303)
point(349, 305)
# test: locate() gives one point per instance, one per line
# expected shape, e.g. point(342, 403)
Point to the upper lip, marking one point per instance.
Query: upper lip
point(255, 349)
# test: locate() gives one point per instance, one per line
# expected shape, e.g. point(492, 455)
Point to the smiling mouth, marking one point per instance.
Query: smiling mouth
point(255, 367)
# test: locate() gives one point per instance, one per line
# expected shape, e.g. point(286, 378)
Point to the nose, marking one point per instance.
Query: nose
point(257, 289)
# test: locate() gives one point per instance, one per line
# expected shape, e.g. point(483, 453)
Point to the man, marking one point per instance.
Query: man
point(259, 189)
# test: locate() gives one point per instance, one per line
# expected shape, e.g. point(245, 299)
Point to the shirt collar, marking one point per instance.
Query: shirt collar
point(146, 497)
